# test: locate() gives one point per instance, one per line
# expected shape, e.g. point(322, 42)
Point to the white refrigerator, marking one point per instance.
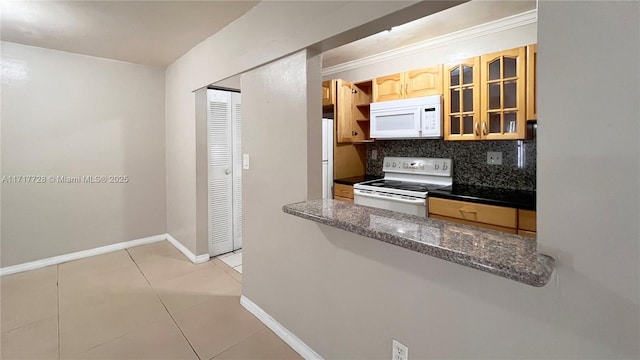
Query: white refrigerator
point(327, 158)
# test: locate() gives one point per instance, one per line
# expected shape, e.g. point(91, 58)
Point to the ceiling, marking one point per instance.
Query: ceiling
point(456, 18)
point(159, 32)
point(144, 32)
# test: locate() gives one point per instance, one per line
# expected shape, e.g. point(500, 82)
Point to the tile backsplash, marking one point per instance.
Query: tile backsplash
point(469, 160)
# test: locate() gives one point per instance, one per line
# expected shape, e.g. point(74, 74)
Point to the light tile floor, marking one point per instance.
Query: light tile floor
point(233, 259)
point(147, 302)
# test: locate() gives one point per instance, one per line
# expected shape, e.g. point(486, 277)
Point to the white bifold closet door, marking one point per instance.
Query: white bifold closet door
point(224, 124)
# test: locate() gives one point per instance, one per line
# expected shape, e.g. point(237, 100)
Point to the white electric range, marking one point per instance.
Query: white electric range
point(406, 184)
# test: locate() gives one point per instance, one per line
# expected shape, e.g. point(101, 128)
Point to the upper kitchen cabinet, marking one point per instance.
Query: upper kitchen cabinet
point(352, 111)
point(502, 95)
point(361, 111)
point(462, 100)
point(409, 84)
point(343, 113)
point(532, 58)
point(388, 87)
point(328, 93)
point(423, 82)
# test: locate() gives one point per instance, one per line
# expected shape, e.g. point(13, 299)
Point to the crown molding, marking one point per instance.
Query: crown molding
point(496, 26)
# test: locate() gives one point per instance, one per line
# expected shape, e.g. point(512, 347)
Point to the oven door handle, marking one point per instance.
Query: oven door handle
point(416, 201)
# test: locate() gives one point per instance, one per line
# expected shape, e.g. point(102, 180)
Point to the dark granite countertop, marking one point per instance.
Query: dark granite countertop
point(356, 179)
point(491, 196)
point(511, 256)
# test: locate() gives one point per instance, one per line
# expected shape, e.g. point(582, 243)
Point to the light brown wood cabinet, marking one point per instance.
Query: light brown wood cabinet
point(409, 84)
point(352, 111)
point(388, 88)
point(503, 95)
point(532, 85)
point(505, 219)
point(328, 93)
point(490, 97)
point(343, 192)
point(462, 100)
point(527, 220)
point(488, 216)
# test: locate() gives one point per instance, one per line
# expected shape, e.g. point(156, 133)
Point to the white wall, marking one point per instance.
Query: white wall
point(268, 31)
point(73, 115)
point(347, 296)
point(589, 162)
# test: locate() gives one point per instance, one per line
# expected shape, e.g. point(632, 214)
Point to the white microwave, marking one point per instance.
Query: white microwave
point(407, 119)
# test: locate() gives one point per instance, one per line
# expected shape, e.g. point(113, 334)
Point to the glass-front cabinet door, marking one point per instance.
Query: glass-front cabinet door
point(532, 85)
point(503, 95)
point(462, 100)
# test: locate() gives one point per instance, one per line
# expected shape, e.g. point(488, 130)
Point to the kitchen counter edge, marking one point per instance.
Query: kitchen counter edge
point(356, 179)
point(490, 251)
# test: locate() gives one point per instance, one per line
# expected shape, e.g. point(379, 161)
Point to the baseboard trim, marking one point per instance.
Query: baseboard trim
point(199, 259)
point(79, 255)
point(287, 336)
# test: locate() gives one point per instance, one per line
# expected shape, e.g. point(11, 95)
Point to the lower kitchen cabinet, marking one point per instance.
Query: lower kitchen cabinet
point(486, 216)
point(505, 219)
point(527, 223)
point(343, 192)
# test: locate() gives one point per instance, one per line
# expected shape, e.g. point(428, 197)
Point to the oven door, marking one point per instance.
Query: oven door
point(413, 206)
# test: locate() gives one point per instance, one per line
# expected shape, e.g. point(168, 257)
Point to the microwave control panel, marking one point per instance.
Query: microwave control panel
point(432, 120)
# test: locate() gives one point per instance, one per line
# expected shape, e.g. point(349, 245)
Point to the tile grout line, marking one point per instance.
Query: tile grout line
point(165, 307)
point(225, 270)
point(33, 323)
point(234, 345)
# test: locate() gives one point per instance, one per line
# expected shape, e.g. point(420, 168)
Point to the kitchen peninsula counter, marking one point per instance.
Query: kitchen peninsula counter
point(506, 255)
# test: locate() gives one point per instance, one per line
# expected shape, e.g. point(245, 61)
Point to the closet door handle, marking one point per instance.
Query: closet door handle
point(227, 171)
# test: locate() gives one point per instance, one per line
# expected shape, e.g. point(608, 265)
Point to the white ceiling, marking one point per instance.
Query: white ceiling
point(158, 32)
point(144, 32)
point(457, 18)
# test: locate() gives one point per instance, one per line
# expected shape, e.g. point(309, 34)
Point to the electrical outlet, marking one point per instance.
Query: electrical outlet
point(494, 158)
point(399, 351)
point(374, 154)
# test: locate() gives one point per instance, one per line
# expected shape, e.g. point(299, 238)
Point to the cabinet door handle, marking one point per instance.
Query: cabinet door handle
point(406, 89)
point(484, 127)
point(468, 209)
point(477, 131)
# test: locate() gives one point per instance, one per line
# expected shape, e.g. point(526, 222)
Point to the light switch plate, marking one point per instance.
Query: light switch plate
point(494, 158)
point(374, 154)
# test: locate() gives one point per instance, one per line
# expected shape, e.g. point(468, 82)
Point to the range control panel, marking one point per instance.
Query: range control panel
point(421, 166)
